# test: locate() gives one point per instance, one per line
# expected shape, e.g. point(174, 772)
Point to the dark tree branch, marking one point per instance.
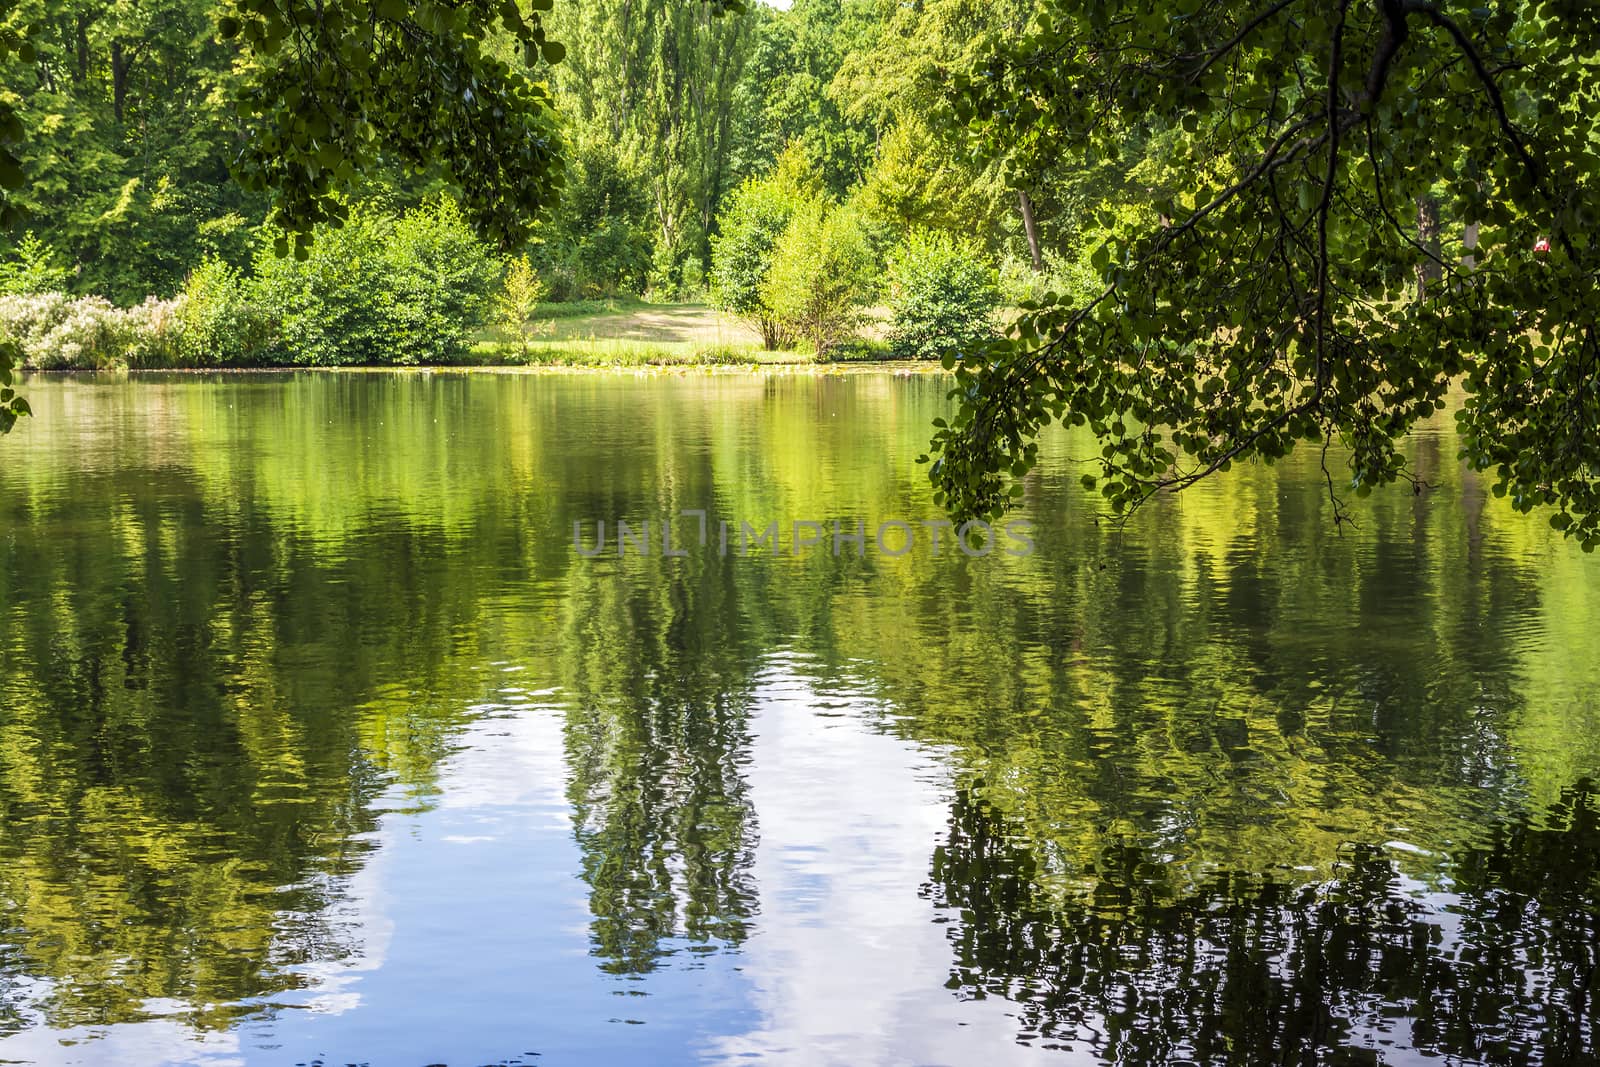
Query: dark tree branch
point(1217, 54)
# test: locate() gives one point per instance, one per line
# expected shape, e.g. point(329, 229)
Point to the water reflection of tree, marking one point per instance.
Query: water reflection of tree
point(201, 706)
point(1251, 968)
point(195, 718)
point(657, 738)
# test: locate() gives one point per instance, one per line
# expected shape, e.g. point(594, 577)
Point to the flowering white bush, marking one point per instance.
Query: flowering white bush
point(153, 332)
point(61, 332)
point(30, 316)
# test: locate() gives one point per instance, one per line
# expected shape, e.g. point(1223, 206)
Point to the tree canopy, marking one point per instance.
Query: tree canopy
point(1239, 228)
point(323, 95)
point(1376, 203)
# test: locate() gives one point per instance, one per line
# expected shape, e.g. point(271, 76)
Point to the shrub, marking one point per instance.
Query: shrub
point(330, 308)
point(518, 300)
point(942, 296)
point(821, 276)
point(676, 272)
point(33, 267)
point(443, 280)
point(57, 332)
point(742, 254)
point(153, 334)
point(378, 291)
point(1075, 280)
point(27, 317)
point(217, 322)
point(598, 242)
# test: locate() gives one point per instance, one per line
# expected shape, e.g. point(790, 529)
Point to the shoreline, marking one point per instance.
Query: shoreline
point(901, 368)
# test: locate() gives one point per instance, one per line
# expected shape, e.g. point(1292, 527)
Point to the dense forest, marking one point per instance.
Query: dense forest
point(778, 162)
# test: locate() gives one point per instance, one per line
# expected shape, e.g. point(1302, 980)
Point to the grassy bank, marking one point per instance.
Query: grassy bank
point(623, 353)
point(89, 335)
point(633, 333)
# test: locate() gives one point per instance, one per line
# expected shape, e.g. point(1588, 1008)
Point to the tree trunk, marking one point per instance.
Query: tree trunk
point(1469, 241)
point(1428, 271)
point(771, 335)
point(1031, 227)
point(119, 79)
point(80, 45)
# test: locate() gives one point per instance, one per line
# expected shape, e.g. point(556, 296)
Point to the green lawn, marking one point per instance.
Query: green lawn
point(627, 333)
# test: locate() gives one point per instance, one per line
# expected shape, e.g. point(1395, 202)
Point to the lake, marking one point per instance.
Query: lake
point(324, 740)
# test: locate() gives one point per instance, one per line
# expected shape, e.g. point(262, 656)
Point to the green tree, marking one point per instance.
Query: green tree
point(742, 253)
point(378, 290)
point(653, 84)
point(898, 80)
point(1272, 299)
point(942, 295)
point(821, 276)
point(787, 97)
point(128, 134)
point(33, 267)
point(597, 242)
point(518, 299)
point(217, 320)
point(334, 91)
point(917, 182)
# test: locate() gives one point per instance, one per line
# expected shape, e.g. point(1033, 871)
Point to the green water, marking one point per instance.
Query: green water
point(322, 742)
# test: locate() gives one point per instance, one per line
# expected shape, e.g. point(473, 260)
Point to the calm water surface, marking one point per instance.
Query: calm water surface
point(320, 743)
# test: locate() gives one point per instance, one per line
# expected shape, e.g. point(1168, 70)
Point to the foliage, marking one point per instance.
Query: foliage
point(650, 86)
point(376, 290)
point(334, 90)
point(15, 38)
point(915, 181)
point(518, 299)
point(742, 254)
point(33, 267)
point(597, 243)
point(55, 331)
point(789, 102)
point(127, 139)
point(897, 80)
point(217, 320)
point(443, 279)
point(821, 277)
point(942, 295)
point(1271, 300)
point(12, 406)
